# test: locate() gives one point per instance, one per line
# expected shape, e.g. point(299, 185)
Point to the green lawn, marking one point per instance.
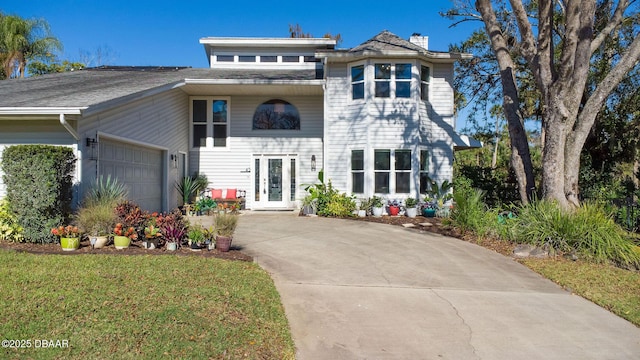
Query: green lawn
point(612, 288)
point(152, 307)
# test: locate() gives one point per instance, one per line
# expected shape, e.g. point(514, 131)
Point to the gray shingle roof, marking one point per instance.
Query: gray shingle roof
point(387, 41)
point(88, 87)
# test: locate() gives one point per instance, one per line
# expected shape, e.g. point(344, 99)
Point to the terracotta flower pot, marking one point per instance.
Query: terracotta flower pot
point(223, 243)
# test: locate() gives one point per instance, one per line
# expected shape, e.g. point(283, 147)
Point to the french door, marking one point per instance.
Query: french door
point(274, 181)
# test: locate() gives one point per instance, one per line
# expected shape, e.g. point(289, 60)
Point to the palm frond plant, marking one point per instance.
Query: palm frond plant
point(188, 188)
point(106, 191)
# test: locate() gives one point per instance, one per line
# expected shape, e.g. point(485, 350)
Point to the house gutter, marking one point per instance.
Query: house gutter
point(69, 128)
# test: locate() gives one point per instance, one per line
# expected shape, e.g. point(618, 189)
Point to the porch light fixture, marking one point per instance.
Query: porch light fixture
point(174, 160)
point(91, 144)
point(313, 163)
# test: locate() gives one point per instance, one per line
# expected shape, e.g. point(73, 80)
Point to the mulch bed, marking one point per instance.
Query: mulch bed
point(134, 249)
point(437, 227)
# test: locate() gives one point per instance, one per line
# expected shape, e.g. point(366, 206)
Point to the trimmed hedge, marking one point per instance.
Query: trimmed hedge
point(39, 187)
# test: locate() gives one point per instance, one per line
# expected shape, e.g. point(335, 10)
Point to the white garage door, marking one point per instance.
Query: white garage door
point(138, 167)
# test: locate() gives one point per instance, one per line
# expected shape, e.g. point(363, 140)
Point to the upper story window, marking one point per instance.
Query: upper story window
point(247, 58)
point(225, 58)
point(357, 82)
point(210, 122)
point(425, 74)
point(290, 58)
point(383, 80)
point(403, 80)
point(276, 115)
point(268, 58)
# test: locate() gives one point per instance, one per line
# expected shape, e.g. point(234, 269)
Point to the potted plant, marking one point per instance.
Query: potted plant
point(69, 237)
point(152, 235)
point(122, 236)
point(364, 207)
point(377, 206)
point(225, 225)
point(204, 206)
point(309, 205)
point(394, 208)
point(410, 206)
point(196, 237)
point(209, 238)
point(437, 196)
point(187, 187)
point(97, 219)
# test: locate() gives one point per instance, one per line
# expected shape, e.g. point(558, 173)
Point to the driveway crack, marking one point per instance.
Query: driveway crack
point(464, 323)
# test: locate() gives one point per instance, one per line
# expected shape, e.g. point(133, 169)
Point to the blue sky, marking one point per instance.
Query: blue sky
point(142, 32)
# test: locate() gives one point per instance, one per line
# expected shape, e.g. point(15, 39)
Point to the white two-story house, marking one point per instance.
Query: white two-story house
point(265, 118)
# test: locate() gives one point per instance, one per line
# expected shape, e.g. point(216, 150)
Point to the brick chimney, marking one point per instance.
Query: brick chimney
point(422, 41)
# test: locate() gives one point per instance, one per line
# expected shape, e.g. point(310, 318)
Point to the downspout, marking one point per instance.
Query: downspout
point(78, 176)
point(324, 116)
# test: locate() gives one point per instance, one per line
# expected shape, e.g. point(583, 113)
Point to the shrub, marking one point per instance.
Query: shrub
point(588, 231)
point(39, 187)
point(470, 213)
point(96, 218)
point(106, 191)
point(338, 205)
point(10, 230)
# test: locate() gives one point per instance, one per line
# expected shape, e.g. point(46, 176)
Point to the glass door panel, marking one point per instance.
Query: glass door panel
point(275, 179)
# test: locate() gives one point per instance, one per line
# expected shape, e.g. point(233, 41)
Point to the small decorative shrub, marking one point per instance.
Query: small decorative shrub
point(10, 230)
point(225, 224)
point(96, 218)
point(471, 214)
point(108, 191)
point(131, 215)
point(39, 187)
point(589, 231)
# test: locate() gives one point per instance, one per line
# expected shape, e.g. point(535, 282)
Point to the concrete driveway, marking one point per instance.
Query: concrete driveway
point(358, 290)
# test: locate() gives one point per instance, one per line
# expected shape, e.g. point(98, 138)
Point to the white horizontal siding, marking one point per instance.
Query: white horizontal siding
point(392, 124)
point(231, 167)
point(22, 132)
point(161, 121)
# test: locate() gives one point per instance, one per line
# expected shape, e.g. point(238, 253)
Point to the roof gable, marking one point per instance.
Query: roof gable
point(387, 41)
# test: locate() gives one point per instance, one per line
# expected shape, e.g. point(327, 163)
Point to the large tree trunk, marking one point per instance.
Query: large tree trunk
point(520, 155)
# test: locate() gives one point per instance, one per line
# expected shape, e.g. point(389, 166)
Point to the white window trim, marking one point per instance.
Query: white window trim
point(209, 142)
point(429, 81)
point(364, 81)
point(392, 171)
point(415, 79)
point(363, 171)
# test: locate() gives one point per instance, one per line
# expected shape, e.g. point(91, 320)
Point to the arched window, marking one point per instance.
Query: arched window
point(276, 115)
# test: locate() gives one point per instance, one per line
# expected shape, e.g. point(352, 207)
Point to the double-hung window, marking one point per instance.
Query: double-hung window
point(403, 80)
point(383, 80)
point(357, 82)
point(424, 172)
point(210, 122)
point(357, 171)
point(425, 73)
point(403, 171)
point(382, 170)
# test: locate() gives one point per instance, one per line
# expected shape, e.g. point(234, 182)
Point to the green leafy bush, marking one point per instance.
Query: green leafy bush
point(39, 187)
point(329, 202)
point(10, 230)
point(471, 214)
point(588, 231)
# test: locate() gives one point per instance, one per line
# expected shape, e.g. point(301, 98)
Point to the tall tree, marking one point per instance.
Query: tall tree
point(24, 40)
point(295, 31)
point(559, 54)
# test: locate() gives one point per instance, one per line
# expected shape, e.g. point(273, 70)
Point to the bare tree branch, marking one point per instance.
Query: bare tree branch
point(616, 19)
